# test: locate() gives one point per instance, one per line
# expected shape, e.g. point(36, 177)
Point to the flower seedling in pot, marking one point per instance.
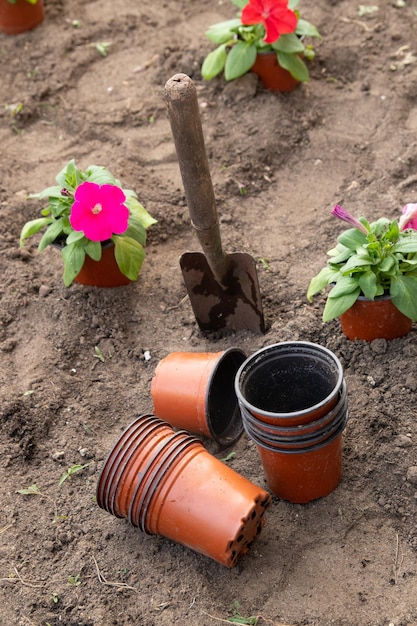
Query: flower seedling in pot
point(371, 260)
point(261, 26)
point(85, 210)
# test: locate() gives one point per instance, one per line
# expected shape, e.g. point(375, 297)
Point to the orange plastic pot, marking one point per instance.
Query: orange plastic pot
point(273, 76)
point(132, 460)
point(195, 391)
point(290, 383)
point(103, 273)
point(209, 507)
point(293, 402)
point(374, 319)
point(21, 16)
point(301, 476)
point(177, 489)
point(297, 437)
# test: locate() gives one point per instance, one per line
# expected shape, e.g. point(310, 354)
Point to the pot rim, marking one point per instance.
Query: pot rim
point(298, 346)
point(385, 296)
point(299, 431)
point(306, 450)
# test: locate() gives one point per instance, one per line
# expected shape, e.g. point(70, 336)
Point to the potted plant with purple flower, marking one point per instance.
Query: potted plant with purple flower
point(18, 16)
point(372, 272)
point(93, 220)
point(267, 36)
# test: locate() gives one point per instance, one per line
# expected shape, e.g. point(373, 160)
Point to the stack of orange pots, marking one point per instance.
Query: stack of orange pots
point(165, 482)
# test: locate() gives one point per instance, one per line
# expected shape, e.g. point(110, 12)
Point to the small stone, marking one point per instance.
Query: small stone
point(8, 345)
point(58, 455)
point(412, 475)
point(379, 346)
point(411, 381)
point(403, 441)
point(49, 546)
point(44, 290)
point(85, 453)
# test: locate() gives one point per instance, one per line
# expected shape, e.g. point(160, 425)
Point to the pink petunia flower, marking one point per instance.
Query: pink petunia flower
point(409, 217)
point(275, 15)
point(98, 211)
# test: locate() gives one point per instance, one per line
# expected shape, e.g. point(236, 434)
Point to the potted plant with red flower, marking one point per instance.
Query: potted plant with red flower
point(373, 276)
point(18, 16)
point(266, 33)
point(94, 221)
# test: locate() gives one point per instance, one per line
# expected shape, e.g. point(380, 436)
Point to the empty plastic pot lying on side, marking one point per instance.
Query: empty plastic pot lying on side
point(195, 391)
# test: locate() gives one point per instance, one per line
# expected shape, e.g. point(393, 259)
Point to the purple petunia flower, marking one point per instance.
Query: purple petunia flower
point(341, 213)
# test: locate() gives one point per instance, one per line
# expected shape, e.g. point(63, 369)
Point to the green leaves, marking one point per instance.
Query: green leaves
point(338, 305)
point(239, 60)
point(55, 229)
point(403, 292)
point(33, 227)
point(382, 262)
point(289, 43)
point(368, 285)
point(305, 29)
point(129, 255)
point(223, 32)
point(33, 490)
point(73, 257)
point(352, 238)
point(319, 282)
point(92, 248)
point(137, 210)
point(295, 65)
point(214, 63)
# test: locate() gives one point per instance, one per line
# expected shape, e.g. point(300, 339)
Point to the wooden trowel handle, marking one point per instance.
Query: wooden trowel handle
point(184, 116)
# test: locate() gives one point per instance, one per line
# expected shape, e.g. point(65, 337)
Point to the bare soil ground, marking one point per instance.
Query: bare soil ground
point(349, 136)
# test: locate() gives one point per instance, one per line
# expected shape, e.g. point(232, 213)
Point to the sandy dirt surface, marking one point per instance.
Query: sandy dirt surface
point(348, 137)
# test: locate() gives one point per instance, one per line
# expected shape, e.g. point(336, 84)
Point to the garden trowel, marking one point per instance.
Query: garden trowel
point(223, 288)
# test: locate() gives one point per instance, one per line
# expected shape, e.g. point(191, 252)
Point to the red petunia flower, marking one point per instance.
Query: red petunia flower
point(275, 15)
point(98, 211)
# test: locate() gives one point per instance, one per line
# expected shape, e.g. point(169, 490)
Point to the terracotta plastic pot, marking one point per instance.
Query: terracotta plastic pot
point(297, 437)
point(273, 76)
point(21, 16)
point(103, 273)
point(293, 402)
point(301, 476)
point(195, 391)
point(374, 319)
point(290, 383)
point(167, 483)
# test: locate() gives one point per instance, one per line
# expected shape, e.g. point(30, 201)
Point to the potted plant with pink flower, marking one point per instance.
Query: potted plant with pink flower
point(18, 16)
point(372, 272)
point(89, 216)
point(266, 33)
